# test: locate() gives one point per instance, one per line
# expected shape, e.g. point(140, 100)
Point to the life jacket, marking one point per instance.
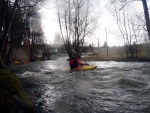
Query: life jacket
point(73, 63)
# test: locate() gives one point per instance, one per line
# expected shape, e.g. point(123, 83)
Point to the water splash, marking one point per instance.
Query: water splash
point(114, 87)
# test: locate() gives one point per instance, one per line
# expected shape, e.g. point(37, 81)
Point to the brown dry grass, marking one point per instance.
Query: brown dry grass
point(113, 55)
point(101, 54)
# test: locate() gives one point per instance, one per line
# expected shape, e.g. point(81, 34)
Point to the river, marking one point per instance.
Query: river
point(114, 87)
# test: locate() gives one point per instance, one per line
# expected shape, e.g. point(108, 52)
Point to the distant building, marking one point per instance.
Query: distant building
point(53, 54)
point(50, 54)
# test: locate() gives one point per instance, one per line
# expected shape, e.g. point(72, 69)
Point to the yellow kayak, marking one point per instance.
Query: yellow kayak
point(84, 68)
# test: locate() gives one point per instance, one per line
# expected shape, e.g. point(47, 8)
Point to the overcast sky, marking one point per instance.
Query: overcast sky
point(106, 21)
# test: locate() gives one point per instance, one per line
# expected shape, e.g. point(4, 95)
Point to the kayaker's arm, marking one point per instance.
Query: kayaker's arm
point(79, 56)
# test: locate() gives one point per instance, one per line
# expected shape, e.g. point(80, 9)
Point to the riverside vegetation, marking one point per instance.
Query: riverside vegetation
point(12, 96)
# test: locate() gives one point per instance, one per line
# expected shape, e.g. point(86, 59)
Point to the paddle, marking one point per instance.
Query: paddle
point(79, 56)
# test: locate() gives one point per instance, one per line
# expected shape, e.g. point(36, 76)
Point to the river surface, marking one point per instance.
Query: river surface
point(114, 87)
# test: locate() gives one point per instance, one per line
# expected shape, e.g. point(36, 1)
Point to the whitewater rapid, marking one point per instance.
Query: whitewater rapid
point(114, 87)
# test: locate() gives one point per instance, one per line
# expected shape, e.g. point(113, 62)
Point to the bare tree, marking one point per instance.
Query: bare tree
point(76, 23)
point(130, 29)
point(145, 8)
point(58, 39)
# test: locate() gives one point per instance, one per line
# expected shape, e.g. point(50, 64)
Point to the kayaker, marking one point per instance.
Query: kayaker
point(74, 63)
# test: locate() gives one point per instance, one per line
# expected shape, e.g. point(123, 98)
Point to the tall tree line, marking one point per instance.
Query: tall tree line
point(15, 23)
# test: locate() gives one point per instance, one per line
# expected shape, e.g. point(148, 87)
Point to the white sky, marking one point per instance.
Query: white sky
point(49, 22)
point(50, 25)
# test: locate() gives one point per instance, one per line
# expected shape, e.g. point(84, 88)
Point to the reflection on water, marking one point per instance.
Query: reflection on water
point(114, 87)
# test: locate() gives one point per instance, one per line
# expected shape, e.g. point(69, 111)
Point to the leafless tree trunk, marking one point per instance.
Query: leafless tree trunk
point(146, 14)
point(8, 27)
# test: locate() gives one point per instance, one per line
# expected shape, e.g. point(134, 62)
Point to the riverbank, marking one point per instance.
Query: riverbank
point(116, 58)
point(12, 96)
